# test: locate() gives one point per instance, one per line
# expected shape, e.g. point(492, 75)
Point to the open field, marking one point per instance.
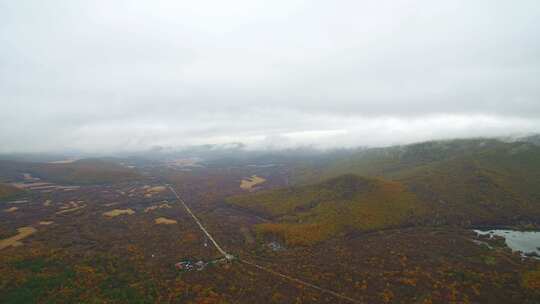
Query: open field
point(165, 221)
point(155, 207)
point(117, 212)
point(250, 182)
point(69, 210)
point(11, 209)
point(15, 240)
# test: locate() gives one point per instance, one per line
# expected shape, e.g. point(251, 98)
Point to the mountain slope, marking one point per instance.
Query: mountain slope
point(396, 161)
point(465, 182)
point(496, 186)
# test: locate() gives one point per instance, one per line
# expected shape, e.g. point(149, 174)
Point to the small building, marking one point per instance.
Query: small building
point(184, 265)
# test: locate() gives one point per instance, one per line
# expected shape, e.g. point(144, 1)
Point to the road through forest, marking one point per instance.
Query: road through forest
point(230, 257)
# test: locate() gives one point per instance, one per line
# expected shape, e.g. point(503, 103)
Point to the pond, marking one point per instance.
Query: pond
point(526, 242)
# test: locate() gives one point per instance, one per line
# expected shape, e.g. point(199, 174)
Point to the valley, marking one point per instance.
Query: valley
point(347, 239)
point(270, 152)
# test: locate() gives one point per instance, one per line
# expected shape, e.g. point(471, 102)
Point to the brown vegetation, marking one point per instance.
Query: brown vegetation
point(7, 190)
point(313, 213)
point(352, 240)
point(531, 280)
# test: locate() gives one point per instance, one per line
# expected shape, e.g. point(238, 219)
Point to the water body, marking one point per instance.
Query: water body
point(526, 242)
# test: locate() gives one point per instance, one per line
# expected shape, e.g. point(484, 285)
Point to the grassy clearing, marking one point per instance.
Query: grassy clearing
point(117, 212)
point(11, 209)
point(165, 221)
point(154, 207)
point(151, 191)
point(15, 240)
point(156, 189)
point(71, 209)
point(250, 182)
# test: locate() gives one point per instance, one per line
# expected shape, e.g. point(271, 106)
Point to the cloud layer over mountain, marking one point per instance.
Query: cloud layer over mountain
point(128, 75)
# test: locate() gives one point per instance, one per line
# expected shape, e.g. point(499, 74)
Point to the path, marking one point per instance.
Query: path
point(223, 252)
point(301, 282)
point(230, 257)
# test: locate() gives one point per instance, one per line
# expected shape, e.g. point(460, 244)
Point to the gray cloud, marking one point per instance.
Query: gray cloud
point(109, 75)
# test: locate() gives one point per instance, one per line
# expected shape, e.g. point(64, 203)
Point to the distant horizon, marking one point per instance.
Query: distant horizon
point(205, 148)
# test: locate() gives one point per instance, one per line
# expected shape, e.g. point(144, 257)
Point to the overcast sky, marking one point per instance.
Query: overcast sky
point(128, 75)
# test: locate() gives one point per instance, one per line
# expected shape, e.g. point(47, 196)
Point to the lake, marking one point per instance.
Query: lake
point(523, 241)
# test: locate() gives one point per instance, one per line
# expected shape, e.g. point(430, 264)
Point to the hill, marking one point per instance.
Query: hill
point(85, 171)
point(493, 187)
point(474, 182)
point(308, 214)
point(466, 181)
